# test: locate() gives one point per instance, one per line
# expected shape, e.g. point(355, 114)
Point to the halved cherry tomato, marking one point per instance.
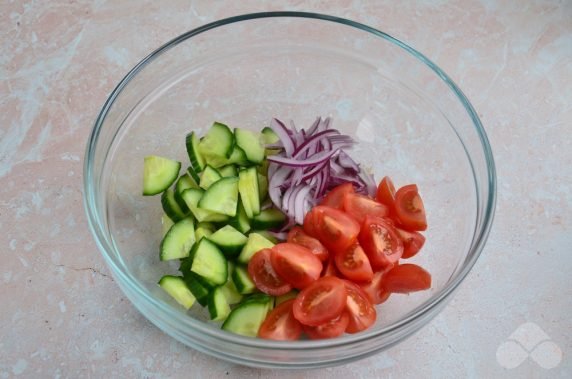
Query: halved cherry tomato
point(359, 206)
point(334, 228)
point(295, 264)
point(374, 289)
point(409, 208)
point(280, 324)
point(309, 226)
point(412, 242)
point(335, 198)
point(297, 235)
point(380, 242)
point(330, 329)
point(263, 274)
point(354, 264)
point(386, 192)
point(321, 301)
point(330, 268)
point(360, 309)
point(406, 278)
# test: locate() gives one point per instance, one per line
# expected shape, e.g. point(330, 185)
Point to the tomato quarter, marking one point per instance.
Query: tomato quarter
point(295, 264)
point(360, 309)
point(375, 290)
point(334, 228)
point(386, 192)
point(280, 324)
point(354, 264)
point(409, 208)
point(412, 242)
point(359, 206)
point(335, 198)
point(407, 278)
point(297, 235)
point(321, 301)
point(330, 329)
point(380, 242)
point(262, 273)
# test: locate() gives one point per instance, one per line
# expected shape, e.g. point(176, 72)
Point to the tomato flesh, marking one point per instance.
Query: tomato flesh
point(295, 264)
point(335, 198)
point(407, 278)
point(263, 275)
point(334, 228)
point(412, 242)
point(360, 309)
point(321, 301)
point(360, 206)
point(354, 264)
point(375, 290)
point(386, 192)
point(296, 235)
point(409, 208)
point(331, 329)
point(280, 324)
point(380, 242)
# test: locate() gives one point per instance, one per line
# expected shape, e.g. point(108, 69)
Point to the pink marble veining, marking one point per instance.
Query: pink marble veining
point(63, 316)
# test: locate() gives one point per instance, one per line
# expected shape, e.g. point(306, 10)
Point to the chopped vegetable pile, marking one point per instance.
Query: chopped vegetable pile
point(282, 234)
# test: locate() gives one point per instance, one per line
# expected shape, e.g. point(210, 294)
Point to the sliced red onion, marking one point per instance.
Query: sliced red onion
point(283, 133)
point(315, 139)
point(314, 126)
point(316, 159)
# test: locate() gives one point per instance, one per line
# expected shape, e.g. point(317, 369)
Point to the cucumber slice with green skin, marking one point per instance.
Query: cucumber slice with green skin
point(166, 223)
point(269, 136)
point(228, 170)
point(175, 286)
point(192, 197)
point(242, 281)
point(237, 157)
point(194, 175)
point(159, 174)
point(270, 218)
point(247, 318)
point(255, 243)
point(240, 221)
point(287, 296)
point(266, 234)
point(197, 288)
point(196, 158)
point(179, 240)
point(262, 187)
point(218, 142)
point(229, 240)
point(248, 189)
point(204, 229)
point(208, 177)
point(229, 289)
point(170, 205)
point(251, 143)
point(263, 168)
point(209, 262)
point(184, 182)
point(221, 197)
point(218, 306)
point(261, 298)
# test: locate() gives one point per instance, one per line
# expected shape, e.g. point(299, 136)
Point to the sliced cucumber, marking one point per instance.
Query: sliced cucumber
point(247, 317)
point(170, 205)
point(218, 142)
point(159, 174)
point(229, 289)
point(209, 262)
point(185, 182)
point(199, 290)
point(179, 240)
point(208, 177)
point(248, 189)
point(176, 287)
point(238, 157)
point(196, 158)
point(228, 170)
point(204, 229)
point(242, 281)
point(255, 243)
point(218, 305)
point(229, 240)
point(166, 223)
point(240, 221)
point(263, 168)
point(192, 196)
point(262, 187)
point(196, 177)
point(266, 234)
point(251, 143)
point(270, 218)
point(269, 136)
point(287, 296)
point(221, 197)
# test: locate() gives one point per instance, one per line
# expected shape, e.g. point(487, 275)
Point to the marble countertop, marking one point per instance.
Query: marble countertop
point(61, 313)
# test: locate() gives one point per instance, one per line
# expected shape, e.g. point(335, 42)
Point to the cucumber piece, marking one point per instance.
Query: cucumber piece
point(242, 280)
point(166, 223)
point(240, 221)
point(159, 174)
point(269, 136)
point(197, 288)
point(228, 170)
point(203, 229)
point(287, 296)
point(221, 197)
point(262, 187)
point(218, 142)
point(193, 174)
point(175, 286)
point(196, 158)
point(208, 177)
point(229, 240)
point(263, 168)
point(238, 157)
point(209, 262)
point(248, 189)
point(179, 240)
point(247, 318)
point(270, 218)
point(229, 289)
point(218, 306)
point(170, 205)
point(192, 196)
point(255, 243)
point(266, 234)
point(261, 298)
point(184, 182)
point(251, 143)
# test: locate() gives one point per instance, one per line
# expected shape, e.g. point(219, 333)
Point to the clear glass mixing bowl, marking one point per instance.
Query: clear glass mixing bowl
point(411, 121)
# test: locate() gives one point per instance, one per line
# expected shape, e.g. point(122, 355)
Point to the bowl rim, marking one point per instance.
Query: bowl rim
point(97, 230)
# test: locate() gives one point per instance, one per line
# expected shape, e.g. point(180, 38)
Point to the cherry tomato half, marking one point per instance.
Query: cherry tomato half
point(331, 329)
point(295, 264)
point(354, 264)
point(335, 198)
point(263, 275)
point(406, 278)
point(359, 206)
point(386, 192)
point(334, 228)
point(360, 309)
point(297, 235)
point(409, 208)
point(280, 324)
point(412, 242)
point(321, 301)
point(380, 242)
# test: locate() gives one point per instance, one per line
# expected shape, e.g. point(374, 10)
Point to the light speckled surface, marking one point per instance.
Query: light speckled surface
point(63, 316)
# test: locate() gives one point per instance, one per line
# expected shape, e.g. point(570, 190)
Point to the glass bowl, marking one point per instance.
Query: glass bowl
point(409, 118)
